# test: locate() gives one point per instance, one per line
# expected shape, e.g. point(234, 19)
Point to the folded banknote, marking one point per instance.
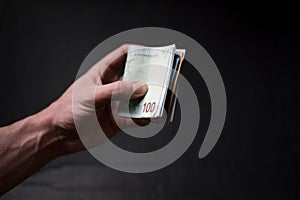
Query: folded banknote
point(159, 68)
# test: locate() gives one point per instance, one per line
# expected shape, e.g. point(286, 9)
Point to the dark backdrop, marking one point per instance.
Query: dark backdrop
point(255, 45)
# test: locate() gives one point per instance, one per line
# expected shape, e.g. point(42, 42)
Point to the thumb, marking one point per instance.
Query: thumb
point(120, 90)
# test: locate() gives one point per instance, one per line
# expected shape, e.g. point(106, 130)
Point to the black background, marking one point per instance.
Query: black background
point(255, 45)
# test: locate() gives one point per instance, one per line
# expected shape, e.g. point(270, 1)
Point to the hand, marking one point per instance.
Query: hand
point(27, 145)
point(96, 89)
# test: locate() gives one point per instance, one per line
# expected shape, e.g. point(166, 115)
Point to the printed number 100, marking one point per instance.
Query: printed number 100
point(149, 107)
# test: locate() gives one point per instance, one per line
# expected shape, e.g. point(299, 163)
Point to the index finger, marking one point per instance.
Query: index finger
point(107, 68)
point(112, 63)
point(110, 71)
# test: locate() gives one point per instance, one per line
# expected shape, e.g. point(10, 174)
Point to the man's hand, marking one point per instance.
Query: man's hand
point(27, 145)
point(95, 89)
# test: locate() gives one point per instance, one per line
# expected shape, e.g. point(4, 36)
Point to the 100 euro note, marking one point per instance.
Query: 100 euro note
point(152, 65)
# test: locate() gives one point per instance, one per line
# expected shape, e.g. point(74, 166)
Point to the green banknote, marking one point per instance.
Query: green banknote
point(159, 68)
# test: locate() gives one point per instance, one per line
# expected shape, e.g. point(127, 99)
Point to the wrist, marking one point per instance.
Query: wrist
point(47, 138)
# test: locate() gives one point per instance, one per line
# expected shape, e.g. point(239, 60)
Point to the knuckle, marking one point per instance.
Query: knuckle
point(117, 89)
point(126, 89)
point(124, 48)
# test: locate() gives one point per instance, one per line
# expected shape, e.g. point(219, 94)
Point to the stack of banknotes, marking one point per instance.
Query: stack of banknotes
point(159, 68)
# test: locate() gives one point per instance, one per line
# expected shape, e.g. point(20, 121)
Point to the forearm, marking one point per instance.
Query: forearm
point(25, 147)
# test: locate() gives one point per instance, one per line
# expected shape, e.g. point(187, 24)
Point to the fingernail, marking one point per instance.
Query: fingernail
point(139, 88)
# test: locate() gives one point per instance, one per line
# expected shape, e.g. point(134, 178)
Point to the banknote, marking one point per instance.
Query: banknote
point(158, 67)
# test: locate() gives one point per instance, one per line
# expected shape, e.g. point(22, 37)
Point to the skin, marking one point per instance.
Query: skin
point(29, 144)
